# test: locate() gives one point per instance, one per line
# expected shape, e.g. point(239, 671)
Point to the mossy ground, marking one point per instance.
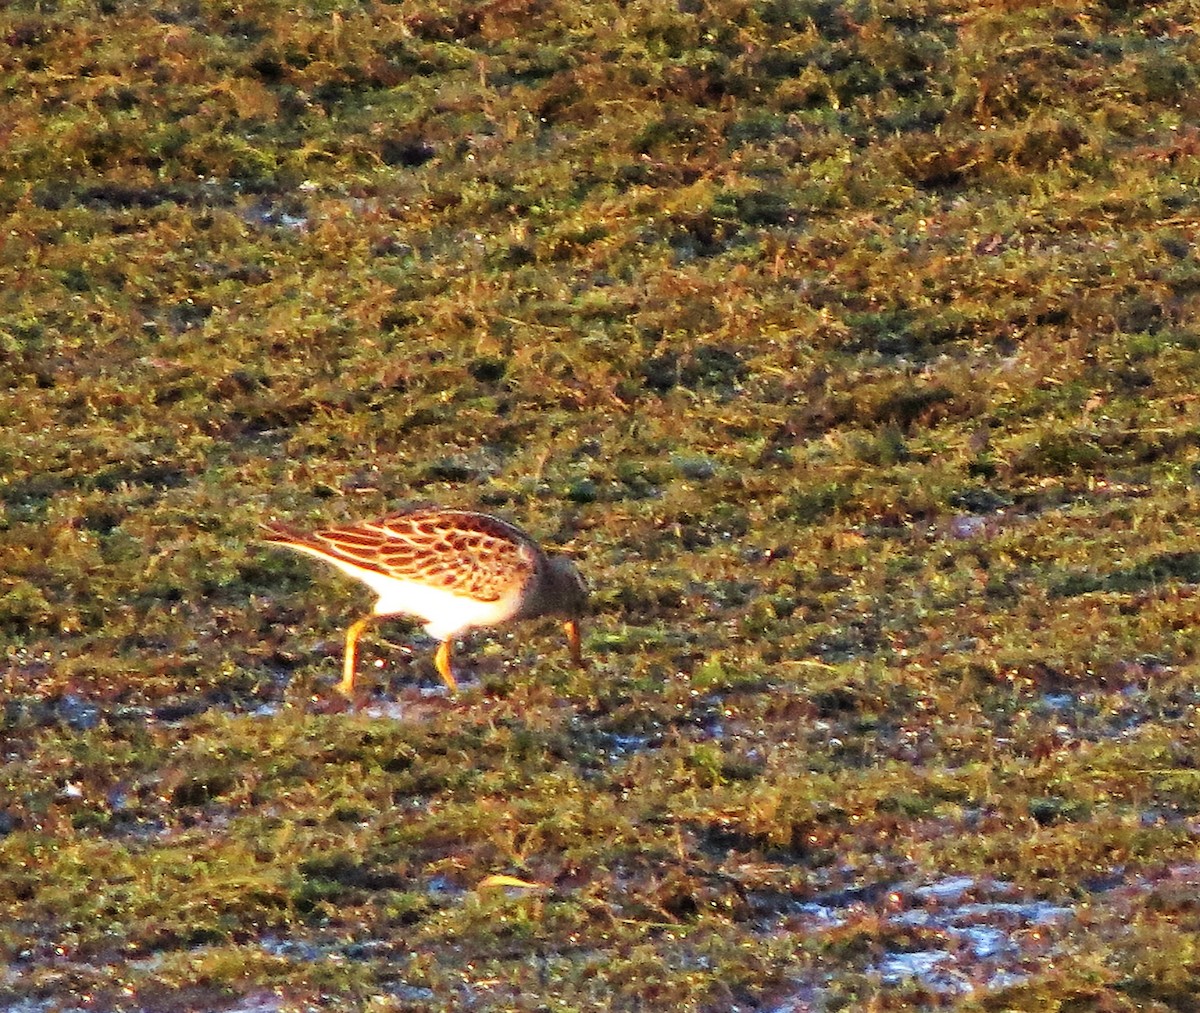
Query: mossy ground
point(852, 348)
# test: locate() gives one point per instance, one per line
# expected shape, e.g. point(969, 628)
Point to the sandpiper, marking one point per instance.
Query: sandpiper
point(453, 569)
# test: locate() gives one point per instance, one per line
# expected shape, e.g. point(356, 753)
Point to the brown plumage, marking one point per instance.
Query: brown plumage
point(454, 569)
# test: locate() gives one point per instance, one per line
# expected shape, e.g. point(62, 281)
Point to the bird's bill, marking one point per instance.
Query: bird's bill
point(572, 628)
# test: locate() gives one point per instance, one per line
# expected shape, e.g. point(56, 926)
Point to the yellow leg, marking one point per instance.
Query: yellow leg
point(346, 686)
point(572, 628)
point(442, 660)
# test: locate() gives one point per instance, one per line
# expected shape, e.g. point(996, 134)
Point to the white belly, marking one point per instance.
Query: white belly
point(445, 614)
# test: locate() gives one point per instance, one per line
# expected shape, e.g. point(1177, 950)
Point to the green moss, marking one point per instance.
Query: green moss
point(847, 346)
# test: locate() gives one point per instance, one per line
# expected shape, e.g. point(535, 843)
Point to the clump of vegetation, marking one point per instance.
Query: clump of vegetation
point(848, 345)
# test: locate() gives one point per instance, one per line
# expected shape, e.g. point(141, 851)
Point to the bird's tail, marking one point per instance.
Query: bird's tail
point(280, 534)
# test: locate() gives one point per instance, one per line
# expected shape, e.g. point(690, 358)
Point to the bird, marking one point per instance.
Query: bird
point(454, 569)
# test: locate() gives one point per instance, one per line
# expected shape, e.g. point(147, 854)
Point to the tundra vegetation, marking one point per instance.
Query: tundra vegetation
point(850, 347)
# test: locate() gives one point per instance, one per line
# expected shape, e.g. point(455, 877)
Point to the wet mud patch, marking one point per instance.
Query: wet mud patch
point(962, 937)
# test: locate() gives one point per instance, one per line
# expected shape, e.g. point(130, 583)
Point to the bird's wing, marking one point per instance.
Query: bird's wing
point(465, 553)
